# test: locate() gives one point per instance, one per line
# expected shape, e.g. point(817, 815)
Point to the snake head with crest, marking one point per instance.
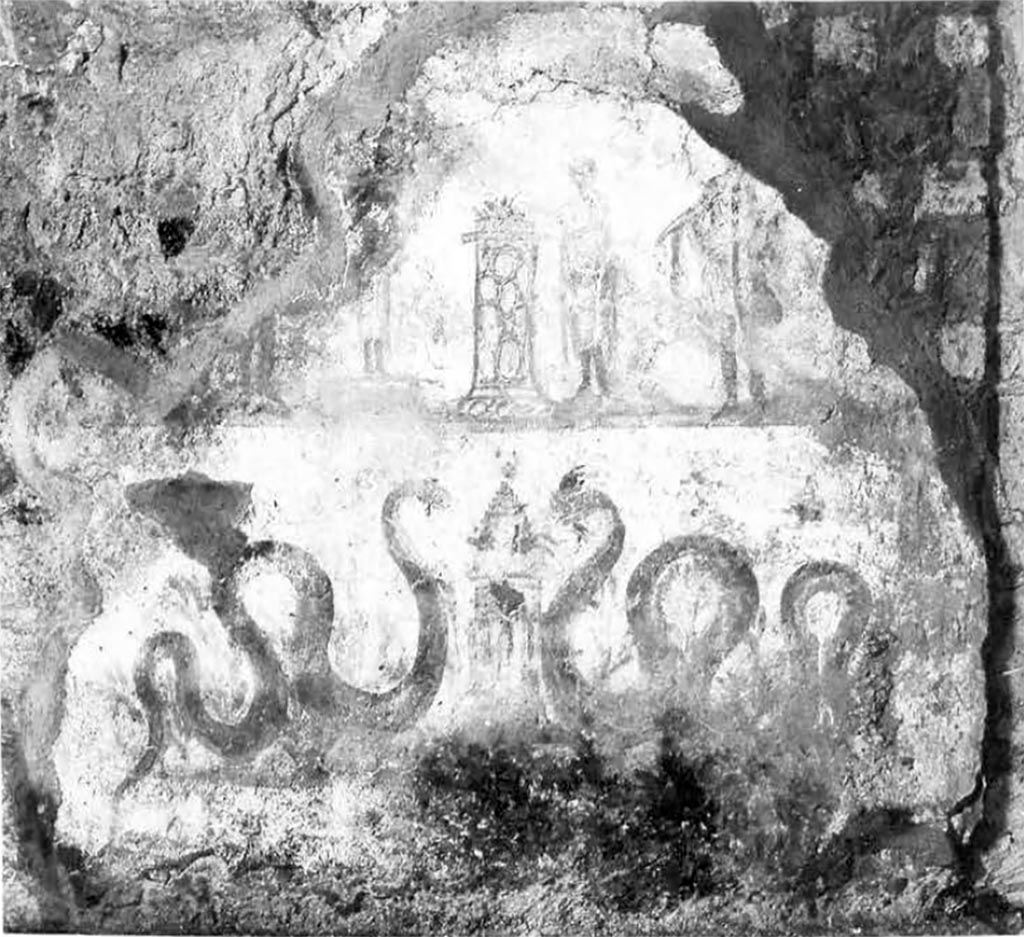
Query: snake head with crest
point(580, 506)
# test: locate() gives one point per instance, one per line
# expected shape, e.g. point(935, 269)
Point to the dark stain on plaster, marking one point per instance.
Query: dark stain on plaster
point(503, 805)
point(845, 856)
point(154, 328)
point(174, 234)
point(26, 514)
point(36, 301)
point(694, 822)
point(8, 473)
point(201, 515)
point(17, 348)
point(45, 296)
point(135, 330)
point(295, 177)
point(33, 813)
point(116, 332)
point(41, 110)
point(309, 13)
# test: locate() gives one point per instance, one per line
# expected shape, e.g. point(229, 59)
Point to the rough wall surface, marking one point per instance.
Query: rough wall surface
point(1003, 861)
point(366, 567)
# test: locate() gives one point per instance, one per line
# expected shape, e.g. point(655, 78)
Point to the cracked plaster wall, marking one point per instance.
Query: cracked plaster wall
point(189, 188)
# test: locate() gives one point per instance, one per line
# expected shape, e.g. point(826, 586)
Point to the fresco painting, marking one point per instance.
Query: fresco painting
point(553, 509)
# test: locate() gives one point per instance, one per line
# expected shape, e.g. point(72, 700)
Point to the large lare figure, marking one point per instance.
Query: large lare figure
point(735, 245)
point(590, 283)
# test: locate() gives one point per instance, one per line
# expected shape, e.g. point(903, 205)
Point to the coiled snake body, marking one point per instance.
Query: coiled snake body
point(315, 685)
point(573, 503)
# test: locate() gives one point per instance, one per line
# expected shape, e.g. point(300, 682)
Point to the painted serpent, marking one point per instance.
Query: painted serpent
point(575, 503)
point(315, 684)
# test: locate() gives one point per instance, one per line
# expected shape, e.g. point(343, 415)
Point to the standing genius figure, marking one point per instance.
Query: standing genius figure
point(590, 283)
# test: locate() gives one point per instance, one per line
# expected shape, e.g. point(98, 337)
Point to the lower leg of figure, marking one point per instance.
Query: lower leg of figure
point(378, 355)
point(585, 357)
point(758, 389)
point(730, 376)
point(601, 372)
point(266, 350)
point(368, 356)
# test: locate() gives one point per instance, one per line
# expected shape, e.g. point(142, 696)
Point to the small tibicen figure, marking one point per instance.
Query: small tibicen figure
point(374, 312)
point(590, 282)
